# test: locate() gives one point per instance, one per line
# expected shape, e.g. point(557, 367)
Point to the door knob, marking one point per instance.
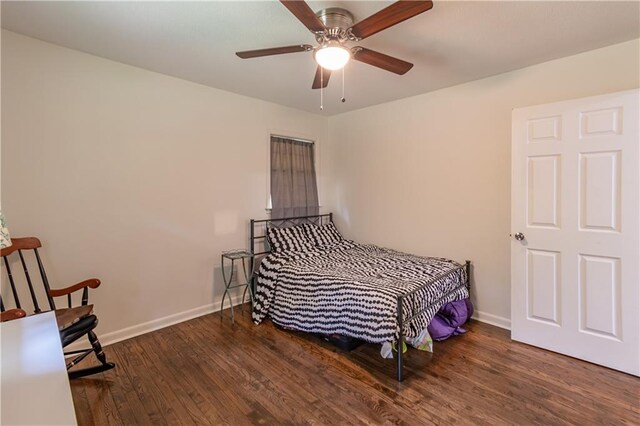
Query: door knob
point(519, 236)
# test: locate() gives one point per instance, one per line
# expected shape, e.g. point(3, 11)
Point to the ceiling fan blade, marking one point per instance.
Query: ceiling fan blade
point(325, 78)
point(305, 14)
point(389, 16)
point(381, 60)
point(274, 51)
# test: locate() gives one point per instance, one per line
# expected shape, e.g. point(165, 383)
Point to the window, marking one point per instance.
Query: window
point(294, 189)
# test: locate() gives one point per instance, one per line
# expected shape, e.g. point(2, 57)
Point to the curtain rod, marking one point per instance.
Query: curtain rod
point(293, 139)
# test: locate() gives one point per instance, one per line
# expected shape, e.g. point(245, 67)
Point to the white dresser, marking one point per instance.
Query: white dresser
point(34, 388)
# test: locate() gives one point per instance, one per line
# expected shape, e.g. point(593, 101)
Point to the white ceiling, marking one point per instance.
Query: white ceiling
point(453, 43)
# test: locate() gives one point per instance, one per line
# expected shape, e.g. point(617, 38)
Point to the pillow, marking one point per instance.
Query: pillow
point(284, 240)
point(325, 234)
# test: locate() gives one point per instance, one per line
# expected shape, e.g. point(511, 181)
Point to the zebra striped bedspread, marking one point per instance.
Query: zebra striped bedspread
point(351, 289)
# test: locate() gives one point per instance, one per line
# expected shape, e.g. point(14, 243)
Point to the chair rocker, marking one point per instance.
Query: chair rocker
point(73, 322)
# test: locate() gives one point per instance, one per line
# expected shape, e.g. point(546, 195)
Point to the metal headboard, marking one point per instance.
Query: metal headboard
point(259, 227)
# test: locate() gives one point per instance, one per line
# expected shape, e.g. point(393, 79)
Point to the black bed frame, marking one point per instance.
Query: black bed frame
point(321, 219)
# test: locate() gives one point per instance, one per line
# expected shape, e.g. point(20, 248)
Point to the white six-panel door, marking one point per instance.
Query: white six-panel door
point(575, 281)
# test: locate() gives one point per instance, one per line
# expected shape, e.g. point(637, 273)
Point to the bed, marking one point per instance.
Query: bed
point(311, 279)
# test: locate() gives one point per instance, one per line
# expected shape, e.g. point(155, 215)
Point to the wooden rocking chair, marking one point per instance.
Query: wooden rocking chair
point(73, 322)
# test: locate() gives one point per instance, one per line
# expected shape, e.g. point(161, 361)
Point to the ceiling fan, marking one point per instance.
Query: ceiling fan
point(333, 28)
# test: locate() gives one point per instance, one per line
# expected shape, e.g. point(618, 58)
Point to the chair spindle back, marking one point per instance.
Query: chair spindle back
point(19, 245)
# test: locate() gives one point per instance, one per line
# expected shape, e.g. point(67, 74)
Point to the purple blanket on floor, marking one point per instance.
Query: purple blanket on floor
point(449, 319)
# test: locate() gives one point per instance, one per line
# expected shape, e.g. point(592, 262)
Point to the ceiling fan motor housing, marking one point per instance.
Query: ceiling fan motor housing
point(335, 17)
point(337, 21)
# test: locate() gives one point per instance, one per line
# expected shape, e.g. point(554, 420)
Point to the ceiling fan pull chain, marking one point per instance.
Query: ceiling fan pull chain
point(321, 88)
point(343, 99)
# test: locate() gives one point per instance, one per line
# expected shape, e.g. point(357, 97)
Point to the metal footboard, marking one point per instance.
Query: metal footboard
point(402, 322)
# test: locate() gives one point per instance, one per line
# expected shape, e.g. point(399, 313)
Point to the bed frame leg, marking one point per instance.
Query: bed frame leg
point(399, 344)
point(467, 267)
point(252, 244)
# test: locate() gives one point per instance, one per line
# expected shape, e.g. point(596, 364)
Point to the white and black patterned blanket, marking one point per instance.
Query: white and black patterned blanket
point(352, 289)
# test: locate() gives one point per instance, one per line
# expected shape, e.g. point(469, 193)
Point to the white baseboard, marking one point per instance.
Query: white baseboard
point(496, 320)
point(156, 324)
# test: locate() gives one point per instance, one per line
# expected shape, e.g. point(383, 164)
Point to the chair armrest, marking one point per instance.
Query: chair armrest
point(91, 283)
point(12, 314)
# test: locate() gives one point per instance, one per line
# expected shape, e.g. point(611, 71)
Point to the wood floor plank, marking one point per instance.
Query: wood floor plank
point(80, 400)
point(209, 371)
point(269, 392)
point(137, 395)
point(184, 381)
point(197, 392)
point(159, 377)
point(99, 396)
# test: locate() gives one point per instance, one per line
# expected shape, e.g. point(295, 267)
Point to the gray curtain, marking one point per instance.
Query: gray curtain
point(294, 190)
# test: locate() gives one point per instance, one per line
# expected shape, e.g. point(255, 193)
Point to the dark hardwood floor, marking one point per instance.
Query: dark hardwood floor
point(207, 371)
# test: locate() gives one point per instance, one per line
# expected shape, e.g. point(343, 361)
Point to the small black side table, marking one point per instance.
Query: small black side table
point(233, 255)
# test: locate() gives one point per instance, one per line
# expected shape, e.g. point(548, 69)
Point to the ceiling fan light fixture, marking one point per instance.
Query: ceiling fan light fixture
point(332, 57)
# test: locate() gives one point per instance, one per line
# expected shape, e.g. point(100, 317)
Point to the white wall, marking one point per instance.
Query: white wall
point(431, 174)
point(142, 179)
point(133, 177)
